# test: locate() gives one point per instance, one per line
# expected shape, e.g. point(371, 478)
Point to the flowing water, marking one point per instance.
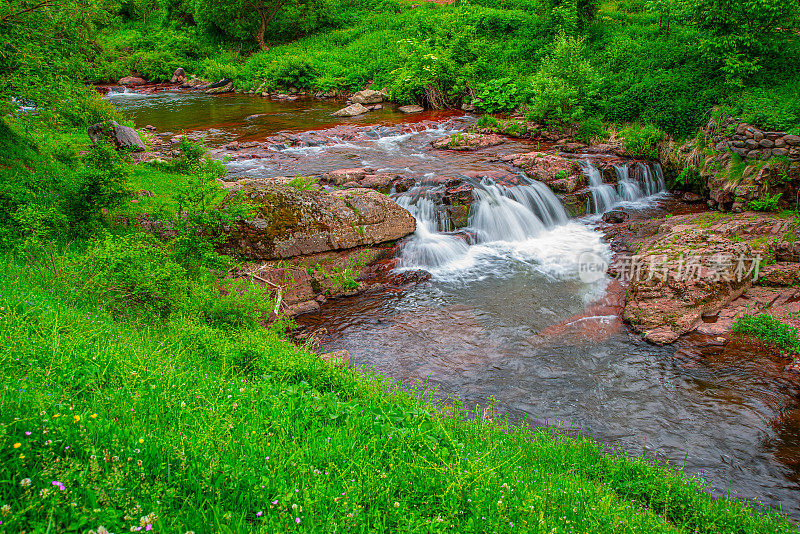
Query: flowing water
point(505, 314)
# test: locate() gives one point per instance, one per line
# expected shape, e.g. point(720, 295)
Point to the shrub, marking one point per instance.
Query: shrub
point(214, 70)
point(290, 70)
point(770, 329)
point(133, 271)
point(498, 95)
point(308, 183)
point(233, 303)
point(590, 129)
point(641, 141)
point(767, 203)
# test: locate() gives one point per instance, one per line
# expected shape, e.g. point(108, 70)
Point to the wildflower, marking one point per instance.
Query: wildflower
point(5, 509)
point(93, 416)
point(141, 440)
point(294, 507)
point(21, 456)
point(259, 513)
point(58, 484)
point(297, 520)
point(25, 482)
point(28, 432)
point(76, 417)
point(102, 530)
point(396, 504)
point(275, 501)
point(17, 445)
point(44, 493)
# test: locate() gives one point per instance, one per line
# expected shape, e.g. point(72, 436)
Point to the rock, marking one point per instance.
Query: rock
point(411, 109)
point(786, 251)
point(222, 86)
point(342, 176)
point(692, 198)
point(792, 140)
point(367, 96)
point(467, 141)
point(779, 275)
point(569, 184)
point(351, 111)
point(615, 216)
point(150, 127)
point(667, 298)
point(546, 167)
point(766, 143)
point(179, 76)
point(195, 82)
point(123, 137)
point(291, 222)
point(467, 107)
point(779, 152)
point(131, 81)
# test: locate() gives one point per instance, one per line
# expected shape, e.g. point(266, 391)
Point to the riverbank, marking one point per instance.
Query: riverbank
point(211, 429)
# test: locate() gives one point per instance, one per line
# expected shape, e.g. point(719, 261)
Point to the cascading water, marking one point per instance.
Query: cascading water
point(524, 223)
point(634, 183)
point(604, 197)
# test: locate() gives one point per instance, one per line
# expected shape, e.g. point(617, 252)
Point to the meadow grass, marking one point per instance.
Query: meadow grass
point(140, 424)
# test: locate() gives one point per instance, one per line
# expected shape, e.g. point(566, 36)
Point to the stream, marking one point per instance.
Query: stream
point(504, 315)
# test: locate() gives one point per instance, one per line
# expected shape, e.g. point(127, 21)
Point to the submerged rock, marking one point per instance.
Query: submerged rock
point(411, 109)
point(123, 137)
point(351, 111)
point(291, 222)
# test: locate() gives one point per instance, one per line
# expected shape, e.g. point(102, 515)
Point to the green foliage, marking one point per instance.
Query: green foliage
point(134, 271)
point(591, 129)
point(770, 329)
point(563, 86)
point(739, 35)
point(498, 95)
point(767, 203)
point(308, 183)
point(216, 70)
point(487, 121)
point(426, 77)
point(641, 141)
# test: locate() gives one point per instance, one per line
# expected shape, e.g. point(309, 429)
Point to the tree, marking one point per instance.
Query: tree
point(251, 19)
point(740, 33)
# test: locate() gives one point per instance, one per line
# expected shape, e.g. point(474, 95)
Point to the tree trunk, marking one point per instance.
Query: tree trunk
point(262, 27)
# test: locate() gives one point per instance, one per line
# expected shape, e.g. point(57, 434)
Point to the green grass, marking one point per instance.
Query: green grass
point(235, 430)
point(770, 329)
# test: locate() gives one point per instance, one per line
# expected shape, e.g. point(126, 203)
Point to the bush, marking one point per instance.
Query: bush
point(134, 271)
point(499, 95)
point(214, 70)
point(590, 129)
point(770, 329)
point(641, 141)
point(290, 70)
point(767, 203)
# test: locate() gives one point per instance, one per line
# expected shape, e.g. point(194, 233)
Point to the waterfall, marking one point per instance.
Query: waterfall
point(498, 214)
point(604, 196)
point(627, 188)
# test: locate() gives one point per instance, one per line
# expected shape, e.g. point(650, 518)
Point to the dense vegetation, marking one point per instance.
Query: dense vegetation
point(142, 388)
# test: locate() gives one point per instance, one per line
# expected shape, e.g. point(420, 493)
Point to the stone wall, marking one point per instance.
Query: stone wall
point(769, 164)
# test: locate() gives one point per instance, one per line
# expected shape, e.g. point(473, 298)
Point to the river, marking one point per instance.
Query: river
point(504, 316)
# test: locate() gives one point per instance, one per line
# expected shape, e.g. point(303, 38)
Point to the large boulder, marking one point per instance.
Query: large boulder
point(179, 76)
point(131, 81)
point(123, 137)
point(467, 141)
point(544, 166)
point(222, 86)
point(291, 222)
point(351, 111)
point(195, 82)
point(367, 96)
point(683, 273)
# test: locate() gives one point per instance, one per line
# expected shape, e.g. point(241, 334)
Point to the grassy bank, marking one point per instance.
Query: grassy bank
point(127, 420)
